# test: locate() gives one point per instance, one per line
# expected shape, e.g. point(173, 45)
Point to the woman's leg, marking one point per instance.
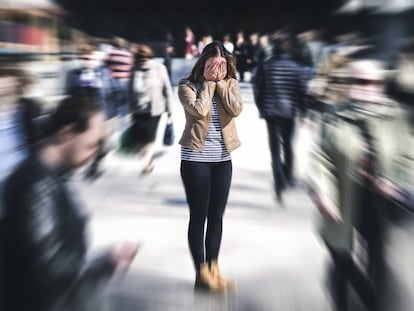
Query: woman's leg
point(148, 159)
point(149, 146)
point(221, 174)
point(197, 180)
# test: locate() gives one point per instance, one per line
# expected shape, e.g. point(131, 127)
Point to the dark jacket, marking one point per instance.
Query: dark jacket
point(44, 241)
point(278, 88)
point(101, 89)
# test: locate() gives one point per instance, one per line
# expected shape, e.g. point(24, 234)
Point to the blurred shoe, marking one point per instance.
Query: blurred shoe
point(215, 273)
point(292, 183)
point(279, 198)
point(205, 280)
point(93, 173)
point(148, 168)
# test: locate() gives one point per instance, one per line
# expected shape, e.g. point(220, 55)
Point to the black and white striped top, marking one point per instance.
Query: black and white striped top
point(214, 149)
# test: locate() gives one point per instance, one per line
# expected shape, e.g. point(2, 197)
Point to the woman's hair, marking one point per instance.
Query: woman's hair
point(142, 53)
point(213, 49)
point(86, 49)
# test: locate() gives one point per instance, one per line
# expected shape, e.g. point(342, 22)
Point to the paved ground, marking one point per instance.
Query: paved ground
point(271, 252)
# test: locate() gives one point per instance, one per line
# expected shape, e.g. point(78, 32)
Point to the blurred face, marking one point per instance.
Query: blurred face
point(8, 86)
point(367, 83)
point(82, 148)
point(88, 61)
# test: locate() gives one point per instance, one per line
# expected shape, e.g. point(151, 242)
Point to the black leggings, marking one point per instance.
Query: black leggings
point(207, 188)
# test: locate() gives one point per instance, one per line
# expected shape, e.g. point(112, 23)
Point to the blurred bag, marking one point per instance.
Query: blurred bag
point(169, 135)
point(126, 144)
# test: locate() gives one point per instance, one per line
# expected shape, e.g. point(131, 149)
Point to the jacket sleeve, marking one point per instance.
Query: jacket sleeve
point(198, 105)
point(257, 81)
point(59, 261)
point(301, 91)
point(229, 93)
point(131, 92)
point(167, 89)
point(323, 176)
point(70, 82)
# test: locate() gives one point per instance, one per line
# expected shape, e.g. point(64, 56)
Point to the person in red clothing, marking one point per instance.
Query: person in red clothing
point(120, 61)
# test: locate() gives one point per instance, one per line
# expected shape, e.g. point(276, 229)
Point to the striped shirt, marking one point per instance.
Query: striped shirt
point(214, 149)
point(120, 62)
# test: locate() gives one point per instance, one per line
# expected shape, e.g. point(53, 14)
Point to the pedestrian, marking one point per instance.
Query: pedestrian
point(44, 229)
point(94, 80)
point(358, 143)
point(241, 50)
point(19, 130)
point(279, 96)
point(228, 44)
point(151, 95)
point(206, 39)
point(120, 61)
point(211, 100)
point(190, 49)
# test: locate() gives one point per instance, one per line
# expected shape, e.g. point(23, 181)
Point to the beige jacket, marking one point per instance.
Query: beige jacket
point(197, 102)
point(162, 97)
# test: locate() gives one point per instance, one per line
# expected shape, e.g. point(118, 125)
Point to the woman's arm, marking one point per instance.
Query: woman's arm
point(229, 93)
point(198, 105)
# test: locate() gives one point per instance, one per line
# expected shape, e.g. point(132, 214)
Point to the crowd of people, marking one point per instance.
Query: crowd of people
point(362, 113)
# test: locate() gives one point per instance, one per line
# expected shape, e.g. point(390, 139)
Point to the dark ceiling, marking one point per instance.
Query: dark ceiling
point(151, 20)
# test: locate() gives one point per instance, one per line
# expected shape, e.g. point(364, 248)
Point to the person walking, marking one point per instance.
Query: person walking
point(190, 49)
point(46, 264)
point(120, 61)
point(279, 94)
point(151, 95)
point(211, 99)
point(92, 79)
point(241, 50)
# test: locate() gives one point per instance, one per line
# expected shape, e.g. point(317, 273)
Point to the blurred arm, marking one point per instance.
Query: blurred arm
point(323, 180)
point(167, 89)
point(58, 257)
point(257, 82)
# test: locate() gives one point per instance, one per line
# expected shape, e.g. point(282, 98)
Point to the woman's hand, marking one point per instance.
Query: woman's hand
point(222, 72)
point(215, 69)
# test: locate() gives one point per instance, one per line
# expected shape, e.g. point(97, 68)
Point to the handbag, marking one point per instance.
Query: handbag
point(169, 135)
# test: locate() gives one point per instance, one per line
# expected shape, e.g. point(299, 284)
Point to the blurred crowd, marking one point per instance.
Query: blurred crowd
point(357, 104)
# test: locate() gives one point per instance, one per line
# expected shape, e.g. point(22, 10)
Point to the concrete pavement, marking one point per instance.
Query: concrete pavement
point(271, 252)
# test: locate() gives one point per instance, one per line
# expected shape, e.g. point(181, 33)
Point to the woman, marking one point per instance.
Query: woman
point(150, 96)
point(211, 100)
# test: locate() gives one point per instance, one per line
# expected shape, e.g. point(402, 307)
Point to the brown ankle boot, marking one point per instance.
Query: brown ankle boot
point(215, 273)
point(204, 280)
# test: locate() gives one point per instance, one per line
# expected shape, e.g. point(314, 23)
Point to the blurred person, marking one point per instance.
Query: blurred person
point(45, 260)
point(20, 132)
point(168, 52)
point(211, 100)
point(265, 50)
point(203, 43)
point(228, 44)
point(94, 80)
point(20, 120)
point(120, 61)
point(241, 51)
point(254, 48)
point(357, 141)
point(190, 48)
point(151, 95)
point(314, 46)
point(279, 96)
